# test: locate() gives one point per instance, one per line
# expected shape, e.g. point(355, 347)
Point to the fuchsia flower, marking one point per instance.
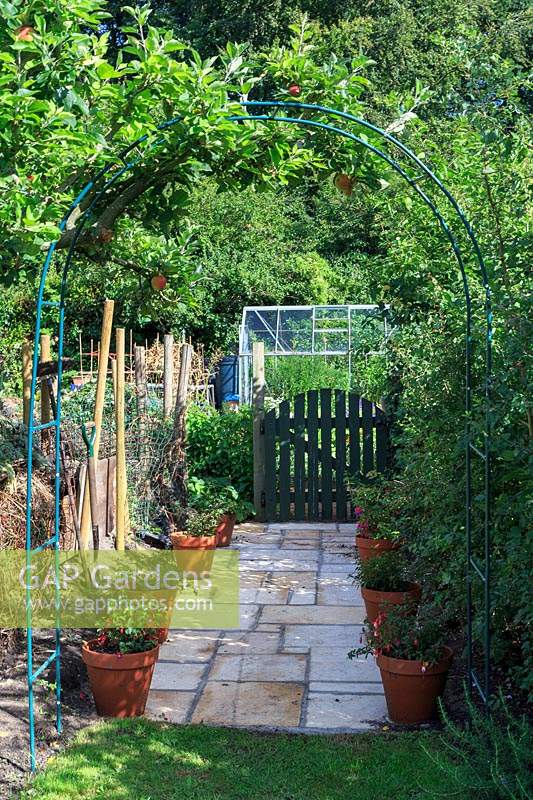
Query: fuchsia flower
point(358, 511)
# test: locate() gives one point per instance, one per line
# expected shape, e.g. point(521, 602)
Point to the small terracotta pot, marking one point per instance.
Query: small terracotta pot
point(224, 530)
point(411, 694)
point(120, 685)
point(370, 548)
point(377, 601)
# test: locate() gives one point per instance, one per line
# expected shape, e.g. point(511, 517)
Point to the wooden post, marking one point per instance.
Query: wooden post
point(27, 356)
point(140, 384)
point(44, 355)
point(91, 358)
point(131, 356)
point(168, 374)
point(105, 339)
point(176, 456)
point(258, 404)
point(114, 377)
point(121, 489)
point(80, 341)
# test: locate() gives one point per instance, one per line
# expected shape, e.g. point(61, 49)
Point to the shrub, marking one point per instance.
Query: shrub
point(220, 445)
point(386, 573)
point(491, 759)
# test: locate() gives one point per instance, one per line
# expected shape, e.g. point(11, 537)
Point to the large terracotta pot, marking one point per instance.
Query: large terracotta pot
point(182, 541)
point(224, 530)
point(194, 557)
point(370, 548)
point(377, 601)
point(162, 635)
point(412, 694)
point(120, 684)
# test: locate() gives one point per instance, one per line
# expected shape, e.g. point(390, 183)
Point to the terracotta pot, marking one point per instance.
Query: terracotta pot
point(120, 685)
point(194, 557)
point(182, 541)
point(411, 694)
point(370, 548)
point(162, 635)
point(377, 601)
point(224, 530)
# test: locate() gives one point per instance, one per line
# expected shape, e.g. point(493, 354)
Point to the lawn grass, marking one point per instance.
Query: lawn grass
point(143, 760)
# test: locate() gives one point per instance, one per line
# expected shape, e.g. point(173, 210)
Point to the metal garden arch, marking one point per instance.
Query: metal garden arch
point(267, 112)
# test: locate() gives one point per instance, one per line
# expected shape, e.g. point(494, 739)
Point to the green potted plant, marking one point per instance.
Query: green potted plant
point(384, 582)
point(219, 495)
point(379, 515)
point(120, 664)
point(199, 530)
point(413, 658)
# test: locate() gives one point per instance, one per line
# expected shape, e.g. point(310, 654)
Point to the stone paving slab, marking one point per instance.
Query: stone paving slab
point(258, 704)
point(188, 646)
point(306, 636)
point(286, 665)
point(313, 615)
point(266, 667)
point(169, 675)
point(256, 642)
point(345, 711)
point(332, 663)
point(169, 706)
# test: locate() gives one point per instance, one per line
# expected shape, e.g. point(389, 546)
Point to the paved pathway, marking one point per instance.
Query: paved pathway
point(286, 667)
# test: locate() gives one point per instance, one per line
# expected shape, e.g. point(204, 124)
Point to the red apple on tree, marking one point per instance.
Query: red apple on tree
point(25, 33)
point(294, 90)
point(158, 282)
point(344, 183)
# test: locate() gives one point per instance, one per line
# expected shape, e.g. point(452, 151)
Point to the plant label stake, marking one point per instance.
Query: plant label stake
point(88, 431)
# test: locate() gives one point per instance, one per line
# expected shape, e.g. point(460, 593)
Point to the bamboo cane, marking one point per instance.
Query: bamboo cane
point(121, 489)
point(107, 322)
point(45, 356)
point(26, 381)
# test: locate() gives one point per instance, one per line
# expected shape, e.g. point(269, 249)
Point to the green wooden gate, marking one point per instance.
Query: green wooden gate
point(311, 445)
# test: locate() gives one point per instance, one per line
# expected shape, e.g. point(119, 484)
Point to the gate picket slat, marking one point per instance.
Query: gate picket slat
point(354, 428)
point(340, 454)
point(270, 465)
point(299, 457)
point(382, 440)
point(325, 455)
point(284, 461)
point(312, 454)
point(368, 436)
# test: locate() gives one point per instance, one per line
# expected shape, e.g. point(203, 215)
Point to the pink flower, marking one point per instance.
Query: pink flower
point(358, 511)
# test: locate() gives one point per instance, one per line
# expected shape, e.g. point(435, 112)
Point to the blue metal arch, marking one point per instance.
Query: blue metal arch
point(100, 185)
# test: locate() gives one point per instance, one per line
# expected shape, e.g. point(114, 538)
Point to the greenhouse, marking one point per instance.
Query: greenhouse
point(338, 332)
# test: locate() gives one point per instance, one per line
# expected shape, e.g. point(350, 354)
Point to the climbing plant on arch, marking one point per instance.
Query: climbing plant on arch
point(315, 121)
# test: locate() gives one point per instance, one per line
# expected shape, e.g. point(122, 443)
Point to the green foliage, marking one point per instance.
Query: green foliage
point(217, 494)
point(382, 508)
point(406, 632)
point(491, 759)
point(219, 445)
point(202, 522)
point(126, 640)
point(288, 376)
point(384, 573)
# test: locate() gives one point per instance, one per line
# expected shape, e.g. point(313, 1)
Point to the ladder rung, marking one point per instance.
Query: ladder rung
point(477, 451)
point(43, 666)
point(475, 681)
point(51, 303)
point(477, 568)
point(44, 425)
point(42, 546)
